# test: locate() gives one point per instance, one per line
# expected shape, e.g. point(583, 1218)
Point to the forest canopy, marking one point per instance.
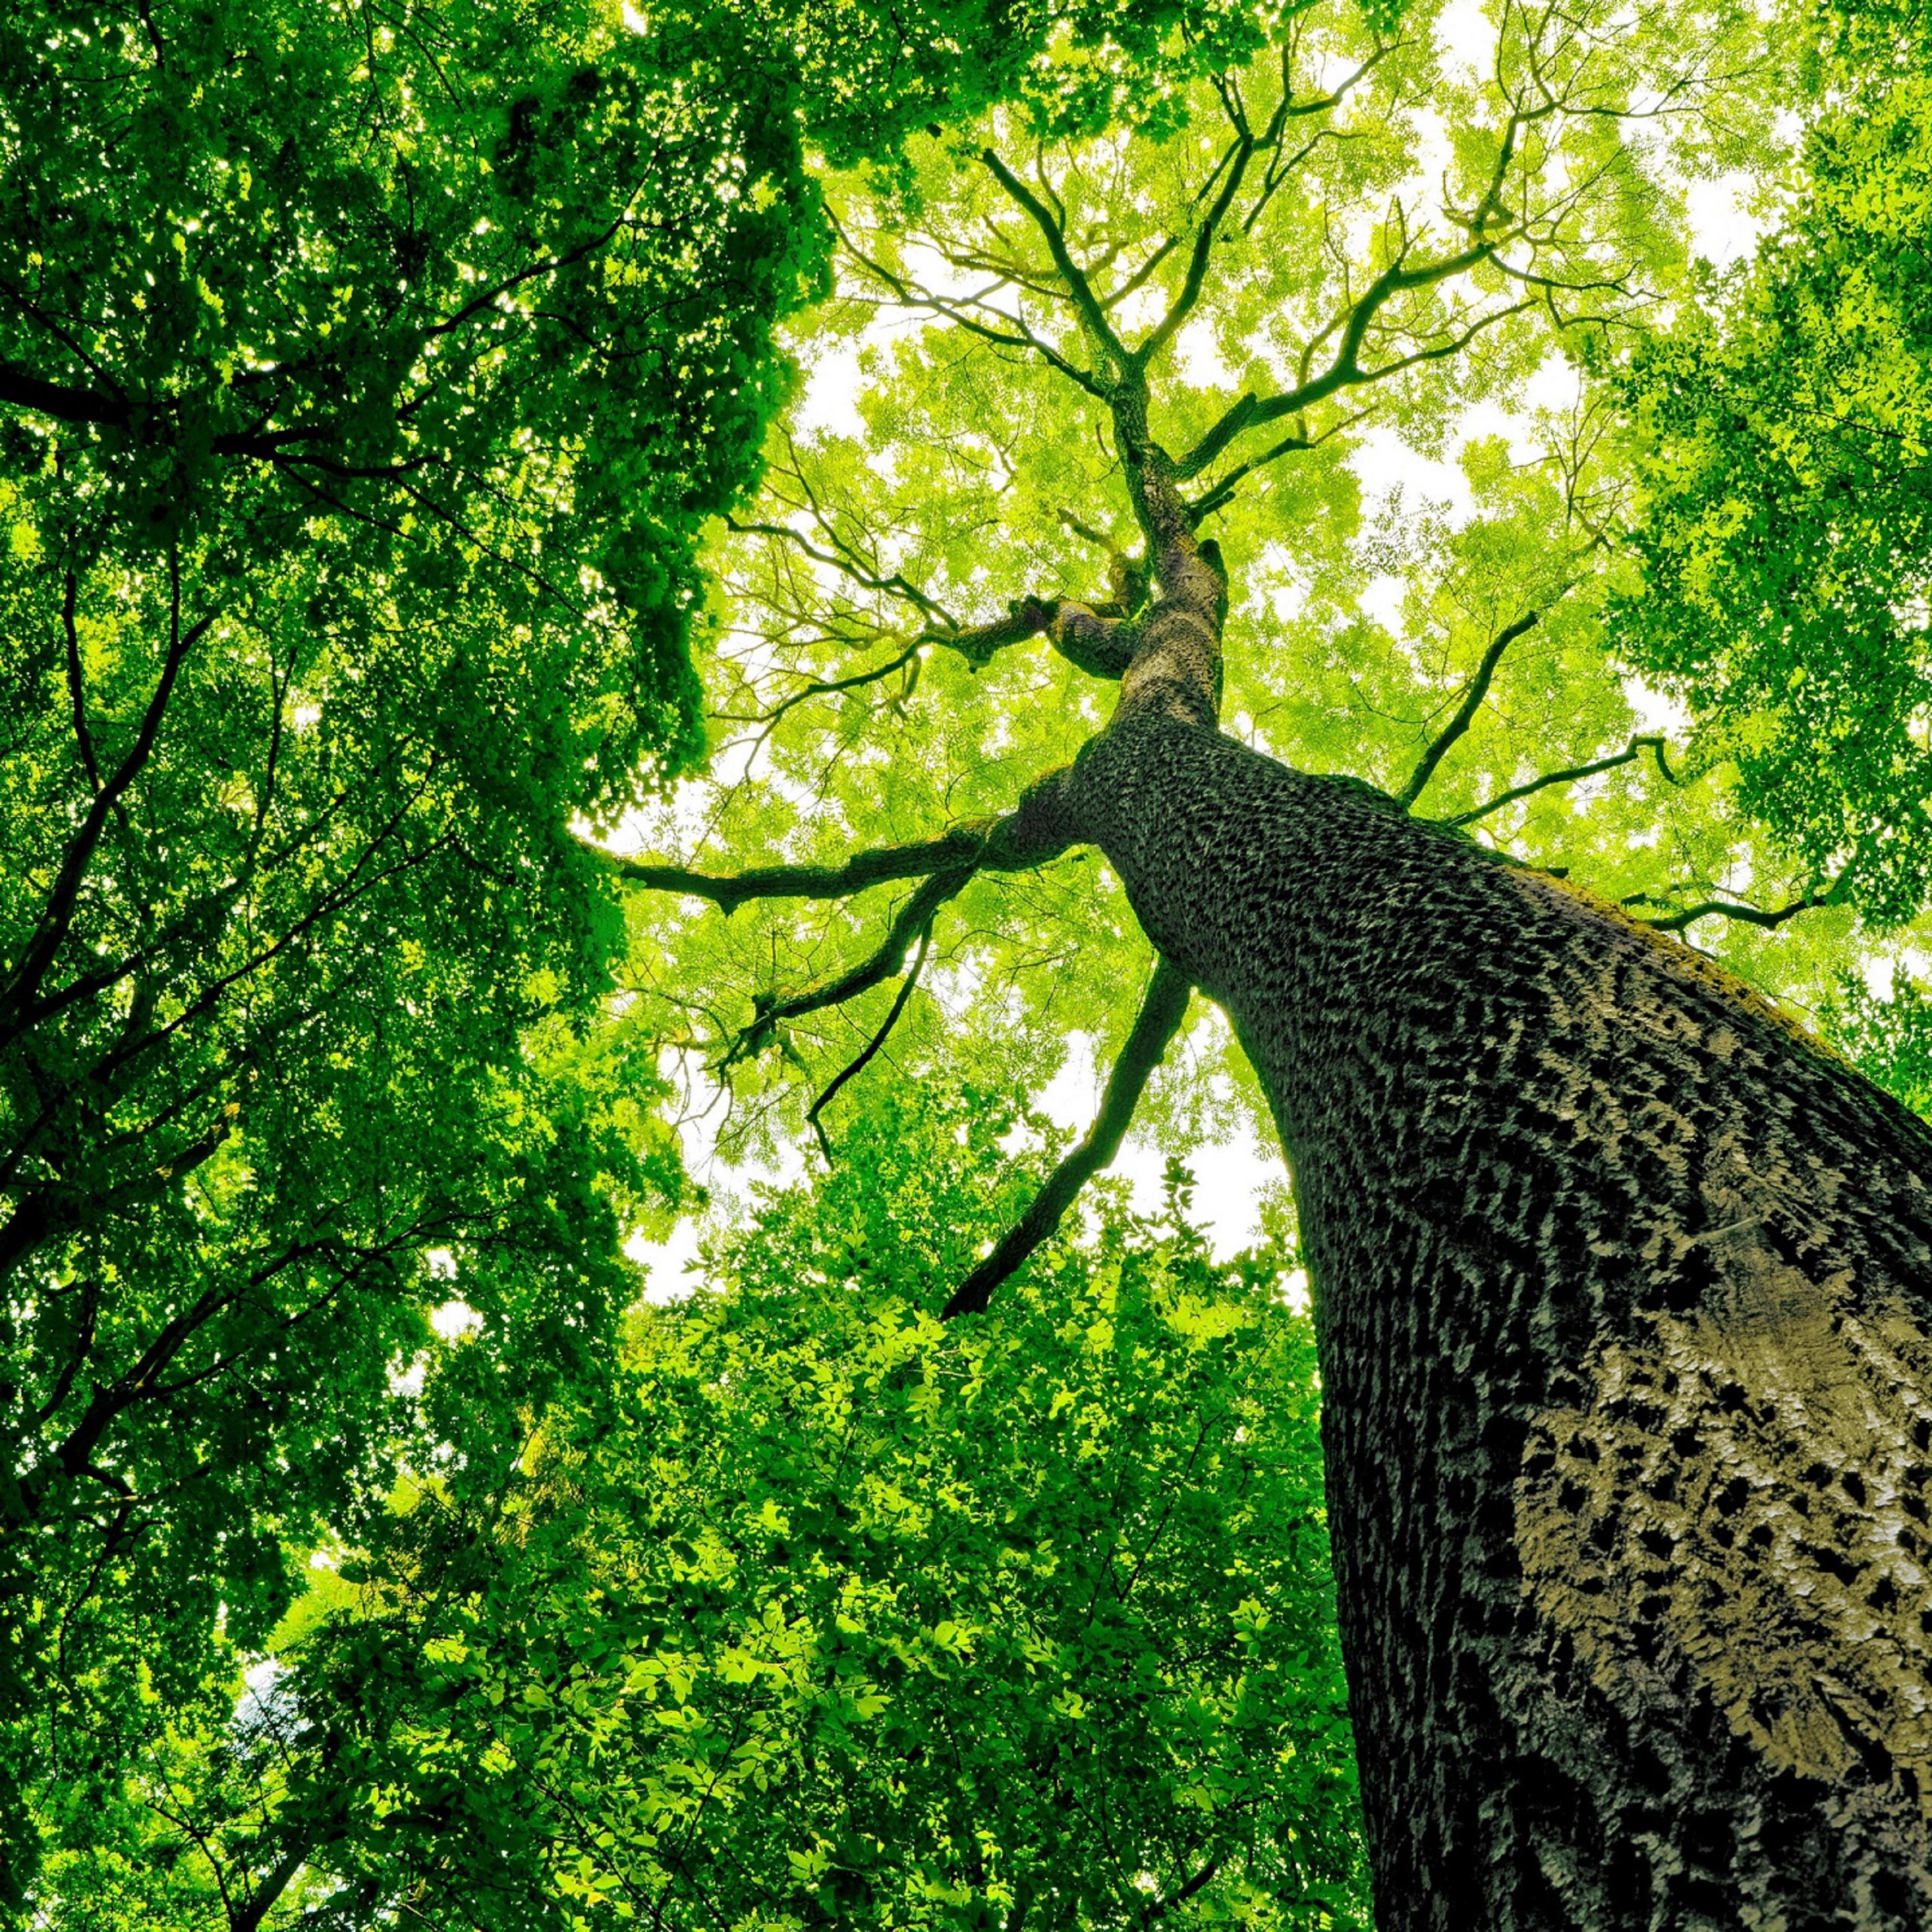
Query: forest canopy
point(554, 553)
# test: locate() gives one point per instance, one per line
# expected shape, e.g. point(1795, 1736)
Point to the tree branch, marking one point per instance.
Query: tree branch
point(1189, 294)
point(910, 297)
point(1748, 915)
point(769, 1011)
point(1212, 499)
point(64, 403)
point(58, 915)
point(896, 585)
point(76, 691)
point(1345, 371)
point(964, 844)
point(878, 1040)
point(1159, 1908)
point(256, 1909)
point(829, 688)
point(1567, 776)
point(1161, 1012)
point(1078, 287)
point(1478, 689)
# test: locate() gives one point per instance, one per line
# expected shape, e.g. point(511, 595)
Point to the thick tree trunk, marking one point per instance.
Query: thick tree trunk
point(1623, 1290)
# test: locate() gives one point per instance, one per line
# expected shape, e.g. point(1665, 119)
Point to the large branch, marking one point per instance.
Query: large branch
point(964, 844)
point(1161, 1012)
point(1036, 830)
point(64, 402)
point(1078, 287)
point(61, 401)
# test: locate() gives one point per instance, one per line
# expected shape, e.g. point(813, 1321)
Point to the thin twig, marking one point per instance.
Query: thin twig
point(878, 1040)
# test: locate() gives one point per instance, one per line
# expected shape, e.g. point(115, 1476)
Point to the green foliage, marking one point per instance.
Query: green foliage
point(1888, 1038)
point(369, 373)
point(941, 465)
point(394, 401)
point(1781, 430)
point(376, 373)
point(823, 1613)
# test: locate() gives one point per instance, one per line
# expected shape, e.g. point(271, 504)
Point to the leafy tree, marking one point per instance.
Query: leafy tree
point(825, 1612)
point(1781, 431)
point(369, 373)
point(1620, 1283)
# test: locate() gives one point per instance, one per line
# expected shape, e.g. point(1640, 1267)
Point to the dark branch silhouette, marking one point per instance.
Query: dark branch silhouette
point(1161, 1012)
point(1567, 776)
point(965, 844)
point(1476, 690)
point(770, 1011)
point(872, 1046)
point(1748, 915)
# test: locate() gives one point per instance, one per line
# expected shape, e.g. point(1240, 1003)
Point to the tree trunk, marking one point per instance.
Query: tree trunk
point(1622, 1287)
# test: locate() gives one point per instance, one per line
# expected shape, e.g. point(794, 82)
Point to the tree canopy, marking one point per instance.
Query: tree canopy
point(503, 503)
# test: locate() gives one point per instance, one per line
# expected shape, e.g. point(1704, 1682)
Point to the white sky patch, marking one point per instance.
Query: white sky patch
point(1383, 462)
point(831, 386)
point(1882, 972)
point(667, 1264)
point(1723, 228)
point(1381, 597)
point(1467, 38)
point(1654, 711)
point(1198, 357)
point(455, 1319)
point(1229, 1176)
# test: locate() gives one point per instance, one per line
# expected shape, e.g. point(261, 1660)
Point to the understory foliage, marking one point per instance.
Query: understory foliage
point(367, 376)
point(819, 1612)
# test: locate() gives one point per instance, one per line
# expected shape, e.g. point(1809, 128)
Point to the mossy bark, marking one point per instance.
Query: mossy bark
point(1623, 1296)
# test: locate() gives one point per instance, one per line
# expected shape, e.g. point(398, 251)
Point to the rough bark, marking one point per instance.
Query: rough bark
point(1623, 1296)
point(1624, 1305)
point(1624, 1290)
